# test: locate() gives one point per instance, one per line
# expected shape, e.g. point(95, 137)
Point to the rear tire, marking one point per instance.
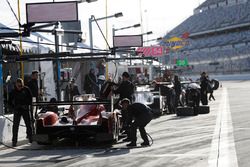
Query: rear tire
point(115, 129)
point(182, 100)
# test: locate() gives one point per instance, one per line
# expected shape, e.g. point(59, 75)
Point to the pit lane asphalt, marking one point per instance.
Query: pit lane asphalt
point(220, 138)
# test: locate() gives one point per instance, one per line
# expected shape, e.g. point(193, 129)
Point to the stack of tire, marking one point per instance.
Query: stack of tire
point(191, 105)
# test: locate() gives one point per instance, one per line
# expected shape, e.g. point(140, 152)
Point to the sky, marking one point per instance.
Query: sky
point(158, 16)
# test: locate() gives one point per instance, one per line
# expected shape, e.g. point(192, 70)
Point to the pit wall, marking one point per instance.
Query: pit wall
point(6, 129)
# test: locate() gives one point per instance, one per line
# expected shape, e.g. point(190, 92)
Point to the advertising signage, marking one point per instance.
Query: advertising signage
point(182, 62)
point(151, 51)
point(175, 43)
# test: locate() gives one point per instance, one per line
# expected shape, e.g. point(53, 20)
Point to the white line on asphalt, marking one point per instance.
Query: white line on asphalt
point(168, 155)
point(157, 155)
point(222, 153)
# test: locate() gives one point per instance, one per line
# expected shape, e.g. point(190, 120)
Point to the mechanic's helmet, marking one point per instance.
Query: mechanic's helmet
point(125, 74)
point(101, 77)
point(125, 100)
point(72, 80)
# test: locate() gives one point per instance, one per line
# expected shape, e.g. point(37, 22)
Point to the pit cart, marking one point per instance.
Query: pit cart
point(85, 118)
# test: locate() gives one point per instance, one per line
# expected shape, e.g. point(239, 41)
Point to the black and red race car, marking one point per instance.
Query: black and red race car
point(82, 119)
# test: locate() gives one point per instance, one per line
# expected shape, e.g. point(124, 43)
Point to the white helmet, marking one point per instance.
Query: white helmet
point(101, 77)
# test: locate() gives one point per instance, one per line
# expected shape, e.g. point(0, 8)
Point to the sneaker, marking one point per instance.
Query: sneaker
point(132, 144)
point(145, 144)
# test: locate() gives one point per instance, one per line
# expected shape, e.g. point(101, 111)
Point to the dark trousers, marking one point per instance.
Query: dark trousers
point(143, 133)
point(16, 122)
point(170, 101)
point(211, 96)
point(204, 100)
point(177, 99)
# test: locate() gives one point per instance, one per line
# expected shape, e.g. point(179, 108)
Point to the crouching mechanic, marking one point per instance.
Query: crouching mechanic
point(139, 115)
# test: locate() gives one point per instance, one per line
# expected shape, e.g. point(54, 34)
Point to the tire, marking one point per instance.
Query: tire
point(182, 100)
point(115, 129)
point(44, 143)
point(48, 142)
point(203, 109)
point(215, 84)
point(185, 111)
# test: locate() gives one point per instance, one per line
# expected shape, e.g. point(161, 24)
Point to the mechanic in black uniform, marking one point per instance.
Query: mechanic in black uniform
point(90, 83)
point(20, 100)
point(33, 84)
point(126, 88)
point(71, 90)
point(177, 88)
point(139, 115)
point(204, 88)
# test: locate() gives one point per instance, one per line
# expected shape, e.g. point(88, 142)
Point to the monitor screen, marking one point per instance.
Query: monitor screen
point(127, 41)
point(51, 12)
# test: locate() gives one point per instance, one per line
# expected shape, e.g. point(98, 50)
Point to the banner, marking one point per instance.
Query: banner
point(151, 51)
point(175, 43)
point(182, 62)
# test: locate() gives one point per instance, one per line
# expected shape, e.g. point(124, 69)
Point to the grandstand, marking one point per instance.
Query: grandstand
point(219, 37)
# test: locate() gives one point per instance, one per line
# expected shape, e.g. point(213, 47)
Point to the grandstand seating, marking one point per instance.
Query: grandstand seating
point(223, 36)
point(215, 18)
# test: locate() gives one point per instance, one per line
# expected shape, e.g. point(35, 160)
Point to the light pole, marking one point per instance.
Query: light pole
point(58, 32)
point(123, 28)
point(147, 33)
point(151, 40)
point(91, 19)
point(39, 38)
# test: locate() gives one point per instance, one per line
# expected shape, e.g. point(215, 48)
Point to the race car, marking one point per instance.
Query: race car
point(190, 95)
point(144, 94)
point(85, 118)
point(190, 98)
